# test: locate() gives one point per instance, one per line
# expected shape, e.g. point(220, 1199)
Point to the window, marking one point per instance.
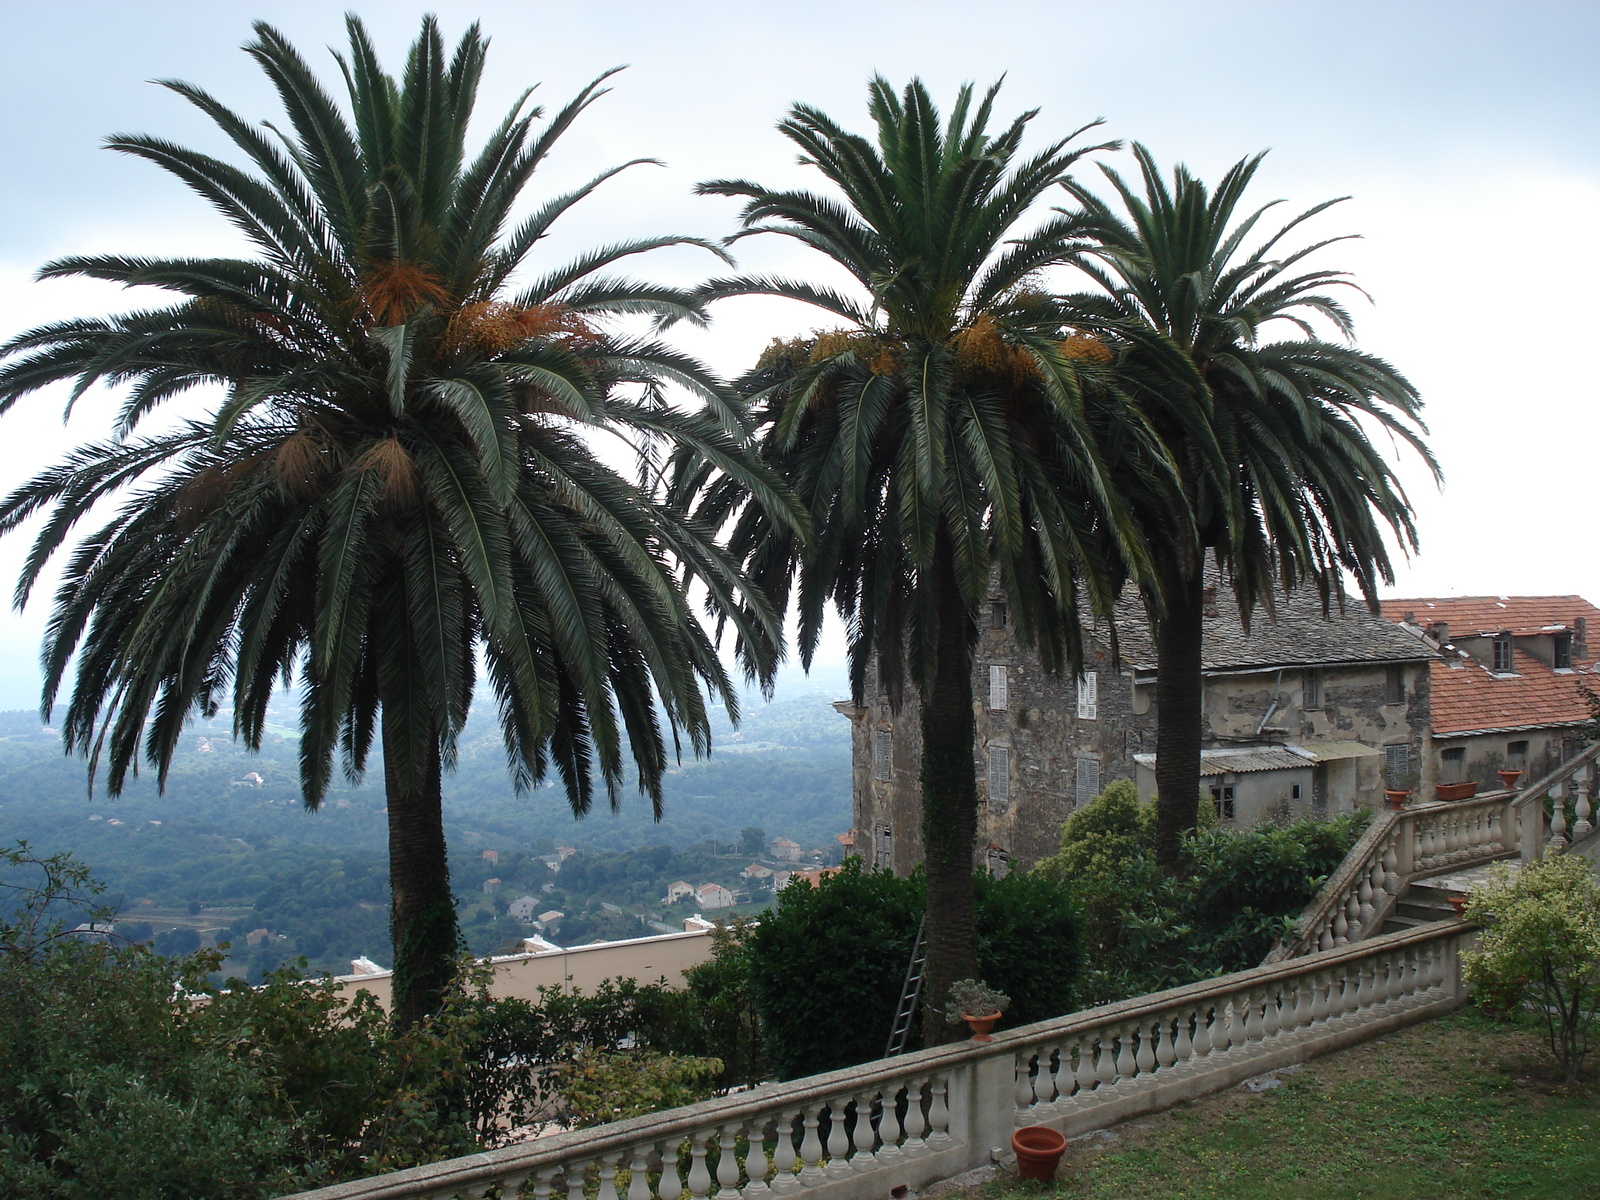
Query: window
point(882, 755)
point(1563, 652)
point(1455, 762)
point(999, 862)
point(999, 775)
point(1517, 750)
point(1223, 798)
point(1395, 692)
point(1310, 691)
point(1502, 654)
point(1086, 784)
point(1294, 792)
point(999, 615)
point(1089, 696)
point(1397, 763)
point(997, 688)
point(883, 847)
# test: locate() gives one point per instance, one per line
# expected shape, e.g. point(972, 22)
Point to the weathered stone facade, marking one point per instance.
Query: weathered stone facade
point(1322, 705)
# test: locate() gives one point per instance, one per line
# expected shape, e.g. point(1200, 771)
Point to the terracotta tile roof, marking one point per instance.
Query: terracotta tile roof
point(1471, 616)
point(1470, 698)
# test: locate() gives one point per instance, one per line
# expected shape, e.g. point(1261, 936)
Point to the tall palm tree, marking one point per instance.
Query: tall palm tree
point(949, 427)
point(397, 476)
point(1300, 494)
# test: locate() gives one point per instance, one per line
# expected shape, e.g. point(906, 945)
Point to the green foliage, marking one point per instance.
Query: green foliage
point(597, 1087)
point(721, 1015)
point(850, 940)
point(973, 998)
point(1541, 946)
point(1145, 930)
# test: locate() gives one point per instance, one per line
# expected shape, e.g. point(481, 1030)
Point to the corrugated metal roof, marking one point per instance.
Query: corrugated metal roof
point(1240, 760)
point(1331, 751)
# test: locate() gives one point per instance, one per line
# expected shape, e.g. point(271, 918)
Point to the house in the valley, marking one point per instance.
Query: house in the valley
point(522, 909)
point(1304, 713)
point(1504, 680)
point(784, 850)
point(713, 895)
point(679, 890)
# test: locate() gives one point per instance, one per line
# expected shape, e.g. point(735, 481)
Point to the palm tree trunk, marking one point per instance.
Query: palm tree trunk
point(949, 803)
point(1179, 692)
point(422, 915)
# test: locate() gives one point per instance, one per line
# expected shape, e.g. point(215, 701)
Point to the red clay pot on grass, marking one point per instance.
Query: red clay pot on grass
point(1039, 1150)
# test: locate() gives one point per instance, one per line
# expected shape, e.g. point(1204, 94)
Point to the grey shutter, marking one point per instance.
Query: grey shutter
point(999, 775)
point(1087, 783)
point(882, 755)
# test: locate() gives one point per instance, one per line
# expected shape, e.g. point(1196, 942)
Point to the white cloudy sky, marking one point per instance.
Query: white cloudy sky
point(1467, 134)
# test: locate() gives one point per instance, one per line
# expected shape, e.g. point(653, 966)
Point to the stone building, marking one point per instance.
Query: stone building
point(1302, 714)
point(1504, 680)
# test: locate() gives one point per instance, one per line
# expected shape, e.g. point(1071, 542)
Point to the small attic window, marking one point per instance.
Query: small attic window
point(1502, 653)
point(1563, 652)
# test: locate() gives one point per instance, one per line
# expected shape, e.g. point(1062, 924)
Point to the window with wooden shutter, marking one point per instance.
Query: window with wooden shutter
point(882, 755)
point(1397, 764)
point(997, 688)
point(1310, 693)
point(1395, 691)
point(1089, 696)
point(999, 861)
point(1086, 784)
point(999, 775)
point(883, 848)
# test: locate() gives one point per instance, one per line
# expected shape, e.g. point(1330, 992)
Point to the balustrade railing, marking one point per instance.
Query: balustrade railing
point(907, 1121)
point(1427, 839)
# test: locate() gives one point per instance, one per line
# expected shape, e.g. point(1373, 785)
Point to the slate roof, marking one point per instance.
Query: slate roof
point(1468, 697)
point(1294, 634)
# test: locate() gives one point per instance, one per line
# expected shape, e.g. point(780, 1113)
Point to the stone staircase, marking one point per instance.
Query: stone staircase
point(1422, 903)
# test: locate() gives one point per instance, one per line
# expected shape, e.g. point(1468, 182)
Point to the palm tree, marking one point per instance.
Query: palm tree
point(949, 427)
point(397, 477)
point(1299, 495)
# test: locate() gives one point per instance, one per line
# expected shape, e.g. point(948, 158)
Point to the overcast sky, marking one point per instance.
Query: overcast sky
point(1467, 135)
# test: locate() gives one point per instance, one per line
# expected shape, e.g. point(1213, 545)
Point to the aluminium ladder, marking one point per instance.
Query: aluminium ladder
point(910, 993)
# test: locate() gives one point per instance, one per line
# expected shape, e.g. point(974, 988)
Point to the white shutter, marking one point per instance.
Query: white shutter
point(997, 688)
point(1087, 783)
point(883, 851)
point(882, 755)
point(999, 775)
point(1089, 696)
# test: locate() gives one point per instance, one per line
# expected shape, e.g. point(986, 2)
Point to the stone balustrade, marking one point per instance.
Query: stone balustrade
point(907, 1121)
point(1428, 839)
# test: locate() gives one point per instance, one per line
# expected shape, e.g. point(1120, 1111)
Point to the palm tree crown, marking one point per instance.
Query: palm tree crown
point(398, 477)
point(950, 427)
point(1286, 488)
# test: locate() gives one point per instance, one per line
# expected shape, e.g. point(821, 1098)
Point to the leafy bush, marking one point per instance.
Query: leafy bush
point(1541, 945)
point(597, 1087)
point(718, 1016)
point(827, 964)
point(1236, 892)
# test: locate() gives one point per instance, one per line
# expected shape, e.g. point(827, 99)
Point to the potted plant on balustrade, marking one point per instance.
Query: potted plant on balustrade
point(1463, 789)
point(1397, 788)
point(976, 1003)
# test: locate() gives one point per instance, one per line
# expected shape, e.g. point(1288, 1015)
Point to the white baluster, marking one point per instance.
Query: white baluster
point(784, 1157)
point(575, 1172)
point(1352, 914)
point(1061, 1080)
point(699, 1173)
point(916, 1124)
point(1126, 1065)
point(1166, 1050)
point(1084, 1072)
point(864, 1159)
point(889, 1151)
point(544, 1180)
point(1027, 1083)
point(1202, 1041)
point(1183, 1044)
point(1391, 867)
point(728, 1163)
point(755, 1160)
point(1253, 1026)
point(811, 1148)
point(671, 1185)
point(1271, 1021)
point(638, 1173)
point(1558, 818)
point(1582, 827)
point(1364, 907)
point(511, 1185)
point(608, 1177)
point(1145, 1057)
point(838, 1139)
point(939, 1114)
point(1105, 1059)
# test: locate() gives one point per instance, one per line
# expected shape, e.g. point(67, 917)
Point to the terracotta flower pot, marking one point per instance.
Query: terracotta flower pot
point(1509, 778)
point(1456, 791)
point(1459, 903)
point(1039, 1150)
point(1396, 797)
point(980, 1026)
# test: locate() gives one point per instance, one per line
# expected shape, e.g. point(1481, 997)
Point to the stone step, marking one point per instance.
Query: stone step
point(1400, 922)
point(1423, 910)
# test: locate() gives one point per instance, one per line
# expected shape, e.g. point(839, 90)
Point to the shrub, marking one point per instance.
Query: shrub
point(827, 964)
point(1236, 892)
point(1541, 945)
point(597, 1087)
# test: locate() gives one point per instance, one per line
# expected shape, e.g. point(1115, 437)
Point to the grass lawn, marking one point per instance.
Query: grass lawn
point(1452, 1109)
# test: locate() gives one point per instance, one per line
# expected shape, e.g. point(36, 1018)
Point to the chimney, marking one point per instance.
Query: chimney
point(1580, 637)
point(1208, 600)
point(1410, 617)
point(1439, 631)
